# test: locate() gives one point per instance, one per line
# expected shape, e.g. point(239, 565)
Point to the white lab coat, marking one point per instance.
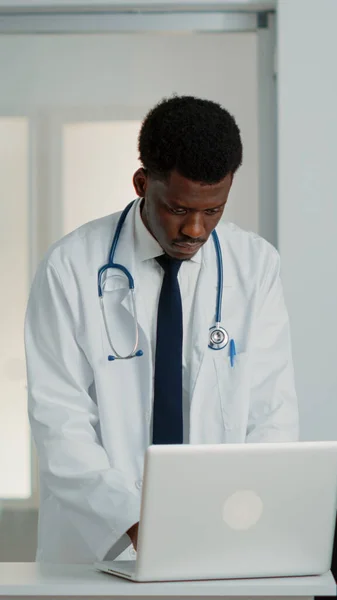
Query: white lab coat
point(91, 418)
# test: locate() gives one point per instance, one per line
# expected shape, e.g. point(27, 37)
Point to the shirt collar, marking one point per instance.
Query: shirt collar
point(147, 246)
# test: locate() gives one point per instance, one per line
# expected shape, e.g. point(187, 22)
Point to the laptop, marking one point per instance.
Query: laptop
point(234, 511)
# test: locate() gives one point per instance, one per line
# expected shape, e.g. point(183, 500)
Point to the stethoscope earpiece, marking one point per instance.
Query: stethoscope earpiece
point(138, 353)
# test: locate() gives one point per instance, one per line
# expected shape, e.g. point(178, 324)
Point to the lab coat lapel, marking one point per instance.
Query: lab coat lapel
point(134, 377)
point(117, 286)
point(205, 303)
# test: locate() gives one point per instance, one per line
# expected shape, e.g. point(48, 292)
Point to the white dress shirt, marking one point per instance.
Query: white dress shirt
point(149, 284)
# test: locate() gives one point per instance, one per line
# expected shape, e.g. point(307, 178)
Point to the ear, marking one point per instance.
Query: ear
point(140, 179)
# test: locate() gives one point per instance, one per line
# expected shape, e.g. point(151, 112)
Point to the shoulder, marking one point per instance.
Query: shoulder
point(252, 252)
point(91, 239)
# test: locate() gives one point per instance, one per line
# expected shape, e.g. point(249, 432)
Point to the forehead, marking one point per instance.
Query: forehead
point(182, 191)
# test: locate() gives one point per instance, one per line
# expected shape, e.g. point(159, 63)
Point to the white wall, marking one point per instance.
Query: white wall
point(308, 204)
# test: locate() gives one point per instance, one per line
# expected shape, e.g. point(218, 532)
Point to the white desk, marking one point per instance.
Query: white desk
point(21, 580)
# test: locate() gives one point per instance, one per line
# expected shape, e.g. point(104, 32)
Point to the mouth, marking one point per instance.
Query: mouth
point(186, 248)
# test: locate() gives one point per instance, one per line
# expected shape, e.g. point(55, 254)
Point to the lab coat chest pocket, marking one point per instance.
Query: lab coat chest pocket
point(234, 385)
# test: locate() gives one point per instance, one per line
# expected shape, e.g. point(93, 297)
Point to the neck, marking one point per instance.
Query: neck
point(144, 218)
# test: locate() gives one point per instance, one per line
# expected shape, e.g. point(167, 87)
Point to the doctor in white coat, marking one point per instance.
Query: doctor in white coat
point(92, 418)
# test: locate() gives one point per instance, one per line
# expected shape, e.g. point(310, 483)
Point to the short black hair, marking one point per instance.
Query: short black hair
point(196, 137)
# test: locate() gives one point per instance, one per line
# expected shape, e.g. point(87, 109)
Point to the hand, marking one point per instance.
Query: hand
point(133, 534)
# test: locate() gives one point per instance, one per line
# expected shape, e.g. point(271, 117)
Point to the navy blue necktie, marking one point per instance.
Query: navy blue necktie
point(168, 388)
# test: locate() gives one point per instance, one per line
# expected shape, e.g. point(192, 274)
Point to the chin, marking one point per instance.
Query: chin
point(172, 254)
point(179, 254)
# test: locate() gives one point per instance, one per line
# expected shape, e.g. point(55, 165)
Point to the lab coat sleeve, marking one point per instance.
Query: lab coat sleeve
point(98, 500)
point(273, 410)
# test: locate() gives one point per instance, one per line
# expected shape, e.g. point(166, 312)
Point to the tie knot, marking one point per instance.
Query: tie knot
point(170, 265)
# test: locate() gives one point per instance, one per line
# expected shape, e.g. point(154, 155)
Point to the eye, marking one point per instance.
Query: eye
point(213, 211)
point(177, 211)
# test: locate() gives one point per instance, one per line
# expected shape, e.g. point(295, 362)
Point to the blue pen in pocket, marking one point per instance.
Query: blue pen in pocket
point(232, 352)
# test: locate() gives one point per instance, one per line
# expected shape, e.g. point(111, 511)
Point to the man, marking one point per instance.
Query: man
point(93, 418)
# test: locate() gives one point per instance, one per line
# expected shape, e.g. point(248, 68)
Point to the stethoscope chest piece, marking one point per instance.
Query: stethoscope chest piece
point(218, 337)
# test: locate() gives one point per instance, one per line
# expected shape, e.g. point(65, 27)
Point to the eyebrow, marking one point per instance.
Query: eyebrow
point(174, 204)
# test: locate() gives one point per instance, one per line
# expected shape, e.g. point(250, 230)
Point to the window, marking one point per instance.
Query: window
point(15, 455)
point(99, 159)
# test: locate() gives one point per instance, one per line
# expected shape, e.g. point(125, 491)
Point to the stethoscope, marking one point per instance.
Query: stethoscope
point(218, 336)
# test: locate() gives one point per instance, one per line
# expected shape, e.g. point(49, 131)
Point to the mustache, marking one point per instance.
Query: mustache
point(190, 241)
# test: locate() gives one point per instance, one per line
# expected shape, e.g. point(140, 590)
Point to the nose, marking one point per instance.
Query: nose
point(193, 226)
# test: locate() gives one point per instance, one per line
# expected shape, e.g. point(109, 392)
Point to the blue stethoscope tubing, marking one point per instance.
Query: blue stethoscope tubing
point(218, 335)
